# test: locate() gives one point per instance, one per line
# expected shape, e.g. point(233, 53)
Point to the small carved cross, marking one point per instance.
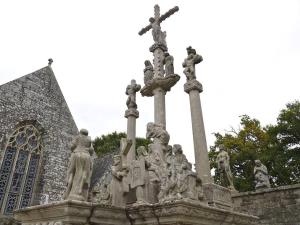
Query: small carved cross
point(125, 145)
point(157, 18)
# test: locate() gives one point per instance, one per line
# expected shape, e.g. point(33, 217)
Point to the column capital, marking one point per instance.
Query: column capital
point(193, 85)
point(132, 112)
point(158, 45)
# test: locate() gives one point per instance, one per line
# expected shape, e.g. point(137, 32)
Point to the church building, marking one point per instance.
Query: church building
point(36, 127)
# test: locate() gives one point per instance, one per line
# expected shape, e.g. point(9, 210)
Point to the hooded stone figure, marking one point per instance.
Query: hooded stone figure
point(261, 175)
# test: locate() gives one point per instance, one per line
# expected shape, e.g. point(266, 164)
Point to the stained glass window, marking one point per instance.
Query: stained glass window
point(19, 168)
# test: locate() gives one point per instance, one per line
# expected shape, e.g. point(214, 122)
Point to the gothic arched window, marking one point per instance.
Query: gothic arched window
point(19, 168)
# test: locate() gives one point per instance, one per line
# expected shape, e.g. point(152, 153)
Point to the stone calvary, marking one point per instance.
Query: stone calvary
point(154, 184)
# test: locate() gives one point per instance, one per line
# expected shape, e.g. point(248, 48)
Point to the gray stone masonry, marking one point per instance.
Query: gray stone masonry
point(36, 98)
point(274, 206)
point(174, 213)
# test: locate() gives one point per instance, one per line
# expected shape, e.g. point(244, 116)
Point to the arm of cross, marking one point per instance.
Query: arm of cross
point(125, 146)
point(162, 18)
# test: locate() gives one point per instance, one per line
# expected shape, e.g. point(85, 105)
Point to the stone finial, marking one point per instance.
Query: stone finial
point(189, 63)
point(50, 61)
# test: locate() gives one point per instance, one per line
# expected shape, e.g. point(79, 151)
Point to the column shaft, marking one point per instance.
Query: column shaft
point(131, 134)
point(159, 107)
point(200, 145)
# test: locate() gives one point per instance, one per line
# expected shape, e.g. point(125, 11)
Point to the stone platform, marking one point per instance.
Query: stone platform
point(181, 212)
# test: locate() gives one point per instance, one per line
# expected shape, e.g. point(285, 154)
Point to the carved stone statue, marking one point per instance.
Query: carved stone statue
point(224, 168)
point(139, 175)
point(156, 170)
point(117, 190)
point(131, 92)
point(183, 170)
point(148, 72)
point(80, 167)
point(159, 36)
point(157, 132)
point(261, 175)
point(169, 66)
point(189, 63)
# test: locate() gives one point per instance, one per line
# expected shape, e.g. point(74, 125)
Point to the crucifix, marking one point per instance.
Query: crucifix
point(155, 22)
point(159, 48)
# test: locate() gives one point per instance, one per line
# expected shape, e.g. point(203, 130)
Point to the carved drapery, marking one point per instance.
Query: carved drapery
point(19, 168)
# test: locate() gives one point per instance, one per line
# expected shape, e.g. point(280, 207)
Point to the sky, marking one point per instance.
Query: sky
point(250, 50)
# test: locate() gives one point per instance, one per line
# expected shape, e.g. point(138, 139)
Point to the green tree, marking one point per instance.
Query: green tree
point(277, 146)
point(285, 145)
point(111, 142)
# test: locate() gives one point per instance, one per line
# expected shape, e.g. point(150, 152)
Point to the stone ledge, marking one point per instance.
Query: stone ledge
point(267, 190)
point(186, 212)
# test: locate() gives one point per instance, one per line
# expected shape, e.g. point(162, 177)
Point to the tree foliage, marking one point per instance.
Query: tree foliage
point(277, 146)
point(111, 142)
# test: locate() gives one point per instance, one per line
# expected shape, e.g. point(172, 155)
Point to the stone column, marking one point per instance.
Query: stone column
point(159, 93)
point(131, 114)
point(194, 88)
point(159, 107)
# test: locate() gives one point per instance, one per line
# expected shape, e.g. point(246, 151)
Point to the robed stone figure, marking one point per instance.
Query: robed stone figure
point(80, 167)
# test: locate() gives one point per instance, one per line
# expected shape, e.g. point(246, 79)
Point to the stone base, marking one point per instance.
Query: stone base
point(163, 82)
point(218, 196)
point(181, 212)
point(71, 212)
point(186, 212)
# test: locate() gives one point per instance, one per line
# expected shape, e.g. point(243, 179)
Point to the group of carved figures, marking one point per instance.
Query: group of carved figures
point(158, 174)
point(260, 171)
point(189, 65)
point(168, 62)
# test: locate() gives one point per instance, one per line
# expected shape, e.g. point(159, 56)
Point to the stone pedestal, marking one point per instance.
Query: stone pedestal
point(59, 213)
point(194, 88)
point(217, 196)
point(72, 212)
point(183, 212)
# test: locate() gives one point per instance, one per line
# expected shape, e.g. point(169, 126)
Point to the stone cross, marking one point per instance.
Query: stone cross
point(125, 146)
point(157, 18)
point(131, 114)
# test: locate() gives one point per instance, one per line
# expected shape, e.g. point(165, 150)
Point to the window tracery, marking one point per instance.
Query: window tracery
point(19, 168)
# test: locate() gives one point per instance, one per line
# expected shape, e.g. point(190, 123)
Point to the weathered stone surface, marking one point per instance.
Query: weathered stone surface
point(166, 83)
point(261, 175)
point(186, 213)
point(217, 196)
point(190, 62)
point(177, 212)
point(193, 88)
point(80, 167)
point(37, 99)
point(273, 206)
point(191, 85)
point(58, 213)
point(223, 162)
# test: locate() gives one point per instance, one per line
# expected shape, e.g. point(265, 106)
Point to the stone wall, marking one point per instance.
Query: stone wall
point(274, 206)
point(37, 98)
